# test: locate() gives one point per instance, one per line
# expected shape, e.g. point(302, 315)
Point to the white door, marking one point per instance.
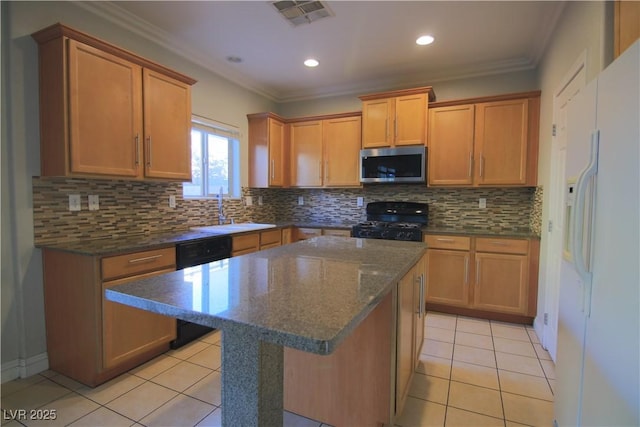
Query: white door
point(571, 85)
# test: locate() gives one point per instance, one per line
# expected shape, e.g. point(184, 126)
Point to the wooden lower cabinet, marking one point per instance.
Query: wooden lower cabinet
point(491, 277)
point(253, 242)
point(90, 339)
point(354, 387)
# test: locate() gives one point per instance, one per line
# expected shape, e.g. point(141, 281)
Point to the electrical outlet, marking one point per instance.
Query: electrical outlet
point(260, 200)
point(172, 201)
point(360, 201)
point(300, 200)
point(482, 203)
point(94, 202)
point(74, 202)
point(248, 201)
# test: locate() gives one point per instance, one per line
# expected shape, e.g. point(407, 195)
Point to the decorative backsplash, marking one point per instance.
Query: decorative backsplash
point(135, 207)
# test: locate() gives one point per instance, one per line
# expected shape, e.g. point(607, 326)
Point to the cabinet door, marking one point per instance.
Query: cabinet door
point(377, 118)
point(167, 127)
point(306, 154)
point(276, 153)
point(501, 142)
point(406, 341)
point(451, 145)
point(448, 277)
point(341, 143)
point(410, 127)
point(501, 283)
point(128, 331)
point(105, 113)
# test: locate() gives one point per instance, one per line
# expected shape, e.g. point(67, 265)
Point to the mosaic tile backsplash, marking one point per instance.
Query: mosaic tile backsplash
point(131, 207)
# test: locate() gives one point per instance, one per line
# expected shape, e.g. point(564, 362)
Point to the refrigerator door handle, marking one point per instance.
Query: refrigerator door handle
point(577, 243)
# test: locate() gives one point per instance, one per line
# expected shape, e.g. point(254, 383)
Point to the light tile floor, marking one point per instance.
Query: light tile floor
point(472, 373)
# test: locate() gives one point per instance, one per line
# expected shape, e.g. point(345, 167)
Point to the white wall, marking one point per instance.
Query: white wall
point(23, 328)
point(520, 81)
point(583, 26)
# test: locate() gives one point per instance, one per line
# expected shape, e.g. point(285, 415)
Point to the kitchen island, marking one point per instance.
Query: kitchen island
point(309, 296)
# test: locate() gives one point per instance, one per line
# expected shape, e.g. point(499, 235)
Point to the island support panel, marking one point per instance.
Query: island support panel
point(252, 379)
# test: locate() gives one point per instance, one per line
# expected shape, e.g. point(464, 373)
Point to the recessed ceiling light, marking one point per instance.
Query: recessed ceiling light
point(311, 63)
point(234, 59)
point(424, 40)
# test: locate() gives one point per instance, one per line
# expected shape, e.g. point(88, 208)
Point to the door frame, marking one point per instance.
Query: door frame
point(554, 228)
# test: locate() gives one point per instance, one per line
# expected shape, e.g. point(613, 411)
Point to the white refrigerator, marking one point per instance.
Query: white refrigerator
point(598, 357)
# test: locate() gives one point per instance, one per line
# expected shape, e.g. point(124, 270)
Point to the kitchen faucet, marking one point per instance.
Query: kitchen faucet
point(221, 217)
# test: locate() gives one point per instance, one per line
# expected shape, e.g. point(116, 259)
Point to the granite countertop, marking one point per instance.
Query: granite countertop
point(307, 295)
point(129, 243)
point(523, 233)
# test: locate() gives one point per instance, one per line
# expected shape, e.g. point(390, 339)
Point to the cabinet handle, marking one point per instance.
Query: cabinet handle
point(466, 270)
point(273, 168)
point(137, 149)
point(481, 164)
point(477, 271)
point(422, 294)
point(496, 242)
point(395, 127)
point(326, 170)
point(320, 170)
point(442, 239)
point(143, 259)
point(470, 163)
point(149, 151)
point(386, 127)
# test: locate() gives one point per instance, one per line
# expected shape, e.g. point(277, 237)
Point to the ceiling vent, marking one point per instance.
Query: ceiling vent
point(302, 12)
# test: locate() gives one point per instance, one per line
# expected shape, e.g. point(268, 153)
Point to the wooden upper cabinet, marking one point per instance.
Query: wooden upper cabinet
point(450, 156)
point(93, 103)
point(492, 143)
point(167, 118)
point(268, 151)
point(105, 114)
point(341, 142)
point(501, 142)
point(306, 154)
point(325, 151)
point(395, 118)
point(626, 25)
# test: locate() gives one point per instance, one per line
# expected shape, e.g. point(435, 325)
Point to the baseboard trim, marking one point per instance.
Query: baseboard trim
point(23, 368)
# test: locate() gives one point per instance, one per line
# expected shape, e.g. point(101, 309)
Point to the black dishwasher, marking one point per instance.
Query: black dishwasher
point(190, 254)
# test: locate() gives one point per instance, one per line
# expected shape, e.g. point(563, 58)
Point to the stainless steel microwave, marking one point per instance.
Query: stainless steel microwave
point(393, 165)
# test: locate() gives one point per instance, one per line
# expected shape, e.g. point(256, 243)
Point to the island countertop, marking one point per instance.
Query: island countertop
point(308, 295)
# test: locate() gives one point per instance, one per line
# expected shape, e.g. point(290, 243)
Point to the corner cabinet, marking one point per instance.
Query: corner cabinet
point(89, 338)
point(395, 118)
point(489, 277)
point(105, 112)
point(485, 141)
point(268, 151)
point(325, 151)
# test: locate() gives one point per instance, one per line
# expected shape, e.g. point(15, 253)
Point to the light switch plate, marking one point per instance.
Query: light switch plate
point(300, 200)
point(360, 201)
point(248, 201)
point(94, 202)
point(482, 203)
point(172, 201)
point(74, 202)
point(260, 200)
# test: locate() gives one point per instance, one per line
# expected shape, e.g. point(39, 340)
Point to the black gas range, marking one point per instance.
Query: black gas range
point(393, 221)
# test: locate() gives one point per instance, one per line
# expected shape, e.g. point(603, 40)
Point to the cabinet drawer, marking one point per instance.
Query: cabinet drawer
point(271, 237)
point(460, 243)
point(246, 241)
point(506, 246)
point(307, 233)
point(136, 263)
point(336, 232)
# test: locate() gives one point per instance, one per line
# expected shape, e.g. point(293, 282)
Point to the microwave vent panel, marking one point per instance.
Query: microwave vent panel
point(302, 12)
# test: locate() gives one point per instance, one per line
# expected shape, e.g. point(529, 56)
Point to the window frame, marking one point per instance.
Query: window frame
point(211, 127)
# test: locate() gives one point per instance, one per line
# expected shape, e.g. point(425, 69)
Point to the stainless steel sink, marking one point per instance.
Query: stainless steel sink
point(233, 228)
